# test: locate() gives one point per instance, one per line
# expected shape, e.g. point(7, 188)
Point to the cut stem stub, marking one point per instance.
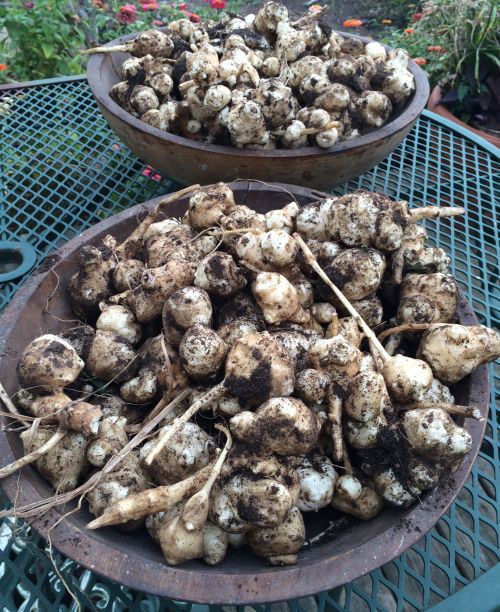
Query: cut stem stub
point(471, 412)
point(406, 327)
point(335, 416)
point(113, 49)
point(433, 212)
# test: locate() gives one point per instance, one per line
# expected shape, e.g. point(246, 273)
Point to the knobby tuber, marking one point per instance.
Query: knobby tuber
point(263, 321)
point(264, 82)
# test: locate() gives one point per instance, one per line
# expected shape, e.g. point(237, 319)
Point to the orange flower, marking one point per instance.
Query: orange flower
point(352, 23)
point(3, 66)
point(387, 21)
point(421, 61)
point(409, 31)
point(435, 48)
point(314, 8)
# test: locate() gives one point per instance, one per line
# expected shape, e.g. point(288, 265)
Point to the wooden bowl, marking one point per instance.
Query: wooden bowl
point(349, 551)
point(189, 162)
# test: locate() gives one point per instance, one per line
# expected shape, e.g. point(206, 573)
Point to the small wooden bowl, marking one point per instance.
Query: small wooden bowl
point(188, 161)
point(351, 550)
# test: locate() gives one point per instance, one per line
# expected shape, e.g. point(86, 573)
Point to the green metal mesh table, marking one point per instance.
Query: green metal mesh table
point(62, 170)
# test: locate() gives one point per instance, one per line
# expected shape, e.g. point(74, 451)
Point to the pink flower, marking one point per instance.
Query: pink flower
point(417, 17)
point(182, 6)
point(157, 23)
point(150, 6)
point(217, 4)
point(28, 5)
point(126, 14)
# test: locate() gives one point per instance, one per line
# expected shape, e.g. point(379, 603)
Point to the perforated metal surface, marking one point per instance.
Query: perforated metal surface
point(63, 170)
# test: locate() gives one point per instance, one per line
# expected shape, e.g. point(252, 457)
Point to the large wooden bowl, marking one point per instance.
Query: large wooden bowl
point(189, 162)
point(133, 559)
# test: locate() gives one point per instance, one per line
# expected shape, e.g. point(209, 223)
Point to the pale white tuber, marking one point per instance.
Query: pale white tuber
point(454, 351)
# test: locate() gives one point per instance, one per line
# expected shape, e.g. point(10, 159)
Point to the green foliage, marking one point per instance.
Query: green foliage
point(457, 39)
point(39, 41)
point(382, 17)
point(42, 39)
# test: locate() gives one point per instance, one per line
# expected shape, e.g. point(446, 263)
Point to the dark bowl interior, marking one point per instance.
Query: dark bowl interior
point(188, 161)
point(350, 548)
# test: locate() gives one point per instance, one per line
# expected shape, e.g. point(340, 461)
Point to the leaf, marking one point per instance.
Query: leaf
point(494, 58)
point(462, 91)
point(47, 49)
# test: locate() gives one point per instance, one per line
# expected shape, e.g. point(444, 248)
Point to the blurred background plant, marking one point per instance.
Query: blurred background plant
point(41, 38)
point(38, 38)
point(458, 44)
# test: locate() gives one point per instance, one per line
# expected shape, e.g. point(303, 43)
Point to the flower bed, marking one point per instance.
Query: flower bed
point(43, 39)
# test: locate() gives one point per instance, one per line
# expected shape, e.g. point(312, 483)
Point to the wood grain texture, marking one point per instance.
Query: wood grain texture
point(133, 559)
point(188, 161)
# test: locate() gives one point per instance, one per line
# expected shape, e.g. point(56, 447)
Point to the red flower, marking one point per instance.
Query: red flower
point(126, 14)
point(409, 31)
point(217, 4)
point(417, 17)
point(150, 6)
point(192, 16)
point(421, 61)
point(182, 7)
point(352, 23)
point(3, 66)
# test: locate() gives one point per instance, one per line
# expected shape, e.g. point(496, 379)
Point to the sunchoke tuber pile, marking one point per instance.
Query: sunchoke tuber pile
point(259, 326)
point(262, 81)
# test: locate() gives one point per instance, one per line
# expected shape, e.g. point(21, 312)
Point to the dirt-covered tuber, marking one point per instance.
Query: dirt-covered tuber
point(48, 363)
point(261, 82)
